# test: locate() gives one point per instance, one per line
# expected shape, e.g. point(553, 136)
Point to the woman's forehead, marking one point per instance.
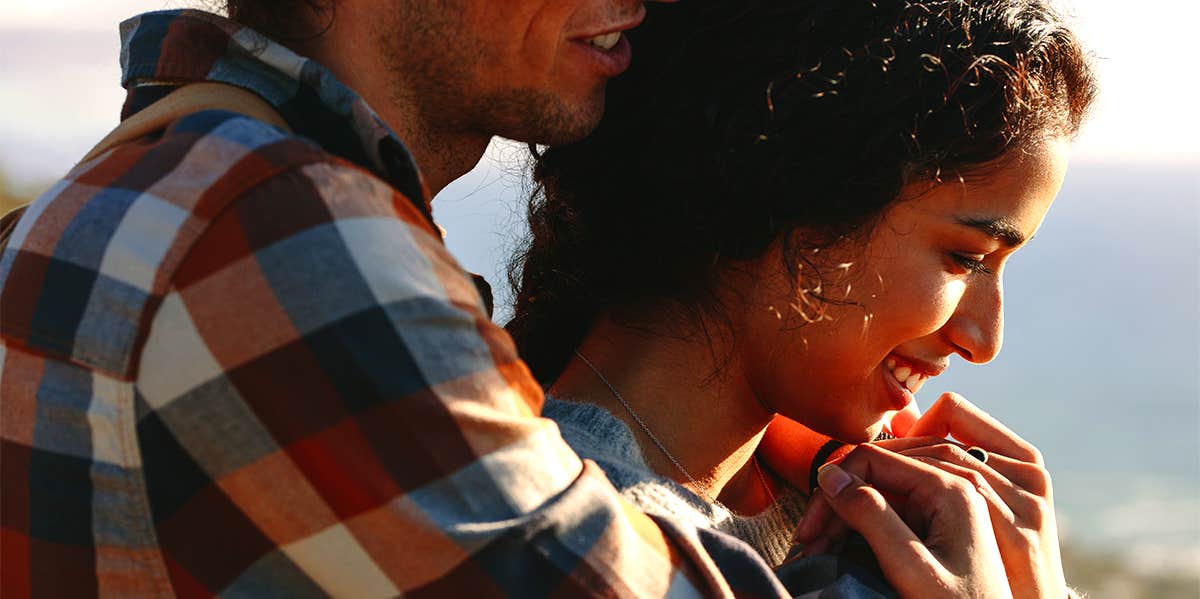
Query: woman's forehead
point(1008, 202)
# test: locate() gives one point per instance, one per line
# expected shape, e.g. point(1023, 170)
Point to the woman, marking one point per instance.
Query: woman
point(800, 208)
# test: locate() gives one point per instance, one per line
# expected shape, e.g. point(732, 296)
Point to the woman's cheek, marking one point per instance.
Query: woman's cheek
point(928, 303)
point(943, 302)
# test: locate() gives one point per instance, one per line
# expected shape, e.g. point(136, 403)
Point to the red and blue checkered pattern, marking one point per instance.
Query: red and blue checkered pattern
point(240, 361)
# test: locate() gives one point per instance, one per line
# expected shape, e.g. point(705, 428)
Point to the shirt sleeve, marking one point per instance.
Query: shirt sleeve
point(324, 409)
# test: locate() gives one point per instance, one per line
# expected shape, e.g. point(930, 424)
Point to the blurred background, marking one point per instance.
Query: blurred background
point(1101, 366)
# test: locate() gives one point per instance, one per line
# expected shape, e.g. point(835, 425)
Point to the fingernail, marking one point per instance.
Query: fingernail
point(832, 479)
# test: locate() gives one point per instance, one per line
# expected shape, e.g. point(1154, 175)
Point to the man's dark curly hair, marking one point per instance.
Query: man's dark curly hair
point(283, 20)
point(746, 123)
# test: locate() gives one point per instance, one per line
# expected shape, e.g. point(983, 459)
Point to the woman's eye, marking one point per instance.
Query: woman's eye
point(972, 263)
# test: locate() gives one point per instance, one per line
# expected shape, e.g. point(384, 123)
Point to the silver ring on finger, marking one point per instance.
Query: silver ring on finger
point(978, 453)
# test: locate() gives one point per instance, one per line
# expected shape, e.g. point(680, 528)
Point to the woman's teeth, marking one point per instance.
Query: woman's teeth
point(911, 380)
point(606, 41)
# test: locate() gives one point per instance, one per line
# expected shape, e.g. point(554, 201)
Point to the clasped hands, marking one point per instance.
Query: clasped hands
point(941, 522)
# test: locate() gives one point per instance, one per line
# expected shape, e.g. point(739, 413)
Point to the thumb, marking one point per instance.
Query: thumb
point(904, 559)
point(860, 505)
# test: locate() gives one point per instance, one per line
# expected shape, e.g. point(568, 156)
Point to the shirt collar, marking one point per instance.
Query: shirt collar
point(175, 47)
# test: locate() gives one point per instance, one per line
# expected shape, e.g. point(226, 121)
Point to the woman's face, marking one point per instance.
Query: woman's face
point(925, 285)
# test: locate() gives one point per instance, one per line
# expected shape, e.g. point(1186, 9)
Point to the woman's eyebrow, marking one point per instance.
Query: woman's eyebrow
point(997, 228)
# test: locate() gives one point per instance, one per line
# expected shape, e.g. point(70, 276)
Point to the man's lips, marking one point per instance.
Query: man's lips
point(608, 62)
point(606, 46)
point(626, 24)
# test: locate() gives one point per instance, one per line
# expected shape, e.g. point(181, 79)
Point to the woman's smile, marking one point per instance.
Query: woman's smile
point(903, 377)
point(927, 284)
point(898, 392)
point(907, 374)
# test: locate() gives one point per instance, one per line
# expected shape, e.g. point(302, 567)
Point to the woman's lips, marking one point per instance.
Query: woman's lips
point(897, 392)
point(904, 376)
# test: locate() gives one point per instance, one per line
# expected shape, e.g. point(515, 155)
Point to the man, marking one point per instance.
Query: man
point(239, 360)
point(236, 359)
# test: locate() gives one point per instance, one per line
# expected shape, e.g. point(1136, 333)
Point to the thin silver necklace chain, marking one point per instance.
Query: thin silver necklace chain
point(663, 448)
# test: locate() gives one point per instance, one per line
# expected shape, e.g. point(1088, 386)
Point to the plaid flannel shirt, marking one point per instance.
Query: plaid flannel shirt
point(240, 361)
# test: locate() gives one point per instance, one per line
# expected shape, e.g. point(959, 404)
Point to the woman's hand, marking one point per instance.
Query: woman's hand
point(1014, 482)
point(943, 547)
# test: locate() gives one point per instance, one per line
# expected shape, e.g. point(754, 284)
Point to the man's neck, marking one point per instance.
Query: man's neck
point(443, 153)
point(710, 423)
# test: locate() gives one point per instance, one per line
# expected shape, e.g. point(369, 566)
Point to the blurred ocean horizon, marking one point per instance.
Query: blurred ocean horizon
point(1101, 363)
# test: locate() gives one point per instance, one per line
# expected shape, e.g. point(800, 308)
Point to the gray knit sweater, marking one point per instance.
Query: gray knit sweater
point(596, 434)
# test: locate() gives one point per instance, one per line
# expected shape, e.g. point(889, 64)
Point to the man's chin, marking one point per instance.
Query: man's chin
point(545, 119)
point(569, 129)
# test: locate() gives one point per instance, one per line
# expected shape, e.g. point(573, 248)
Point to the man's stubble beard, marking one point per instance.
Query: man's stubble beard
point(537, 117)
point(433, 60)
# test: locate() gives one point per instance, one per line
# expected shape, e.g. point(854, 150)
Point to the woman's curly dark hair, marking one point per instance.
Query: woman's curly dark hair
point(742, 124)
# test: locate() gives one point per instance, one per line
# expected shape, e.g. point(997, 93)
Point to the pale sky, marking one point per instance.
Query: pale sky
point(60, 90)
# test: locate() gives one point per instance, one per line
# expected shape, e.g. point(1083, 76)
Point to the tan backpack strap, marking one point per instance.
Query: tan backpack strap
point(189, 99)
point(8, 223)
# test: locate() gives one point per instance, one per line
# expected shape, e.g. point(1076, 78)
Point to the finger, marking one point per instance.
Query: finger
point(1023, 509)
point(900, 444)
point(998, 506)
point(1029, 476)
point(818, 526)
point(817, 515)
point(953, 415)
point(829, 538)
point(824, 544)
point(953, 459)
point(902, 478)
point(906, 563)
point(1015, 546)
point(950, 512)
point(930, 499)
point(903, 420)
point(898, 475)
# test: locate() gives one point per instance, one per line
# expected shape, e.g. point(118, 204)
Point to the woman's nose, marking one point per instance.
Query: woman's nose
point(977, 328)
